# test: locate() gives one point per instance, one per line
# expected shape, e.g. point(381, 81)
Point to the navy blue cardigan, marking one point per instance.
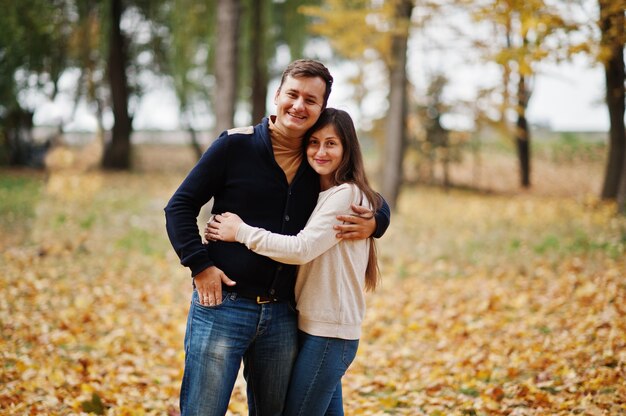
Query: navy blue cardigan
point(240, 173)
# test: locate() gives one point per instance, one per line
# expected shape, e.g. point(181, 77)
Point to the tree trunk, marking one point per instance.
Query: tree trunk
point(226, 63)
point(506, 76)
point(445, 163)
point(621, 194)
point(477, 167)
point(523, 134)
point(259, 66)
point(612, 27)
point(193, 140)
point(18, 137)
point(395, 142)
point(117, 152)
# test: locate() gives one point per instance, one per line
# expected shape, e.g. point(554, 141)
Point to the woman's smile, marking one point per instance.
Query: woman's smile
point(324, 153)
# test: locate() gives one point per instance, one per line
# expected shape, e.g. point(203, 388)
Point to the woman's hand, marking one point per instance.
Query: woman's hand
point(222, 227)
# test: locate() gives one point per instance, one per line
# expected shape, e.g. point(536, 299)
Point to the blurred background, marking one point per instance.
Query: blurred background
point(494, 128)
point(429, 83)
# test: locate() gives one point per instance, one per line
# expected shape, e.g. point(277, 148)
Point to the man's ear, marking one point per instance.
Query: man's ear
point(276, 96)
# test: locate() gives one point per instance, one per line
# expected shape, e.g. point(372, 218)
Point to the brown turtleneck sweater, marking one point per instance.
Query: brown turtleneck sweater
point(287, 150)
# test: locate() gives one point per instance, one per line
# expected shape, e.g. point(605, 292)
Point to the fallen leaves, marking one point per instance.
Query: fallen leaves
point(545, 338)
point(477, 314)
point(87, 325)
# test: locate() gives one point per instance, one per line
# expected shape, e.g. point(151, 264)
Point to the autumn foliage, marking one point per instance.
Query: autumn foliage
point(491, 304)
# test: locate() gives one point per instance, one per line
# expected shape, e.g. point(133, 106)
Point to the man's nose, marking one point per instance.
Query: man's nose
point(298, 103)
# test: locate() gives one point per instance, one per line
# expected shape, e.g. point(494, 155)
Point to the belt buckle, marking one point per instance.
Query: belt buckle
point(261, 301)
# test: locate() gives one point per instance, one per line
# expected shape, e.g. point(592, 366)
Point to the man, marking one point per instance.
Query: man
point(241, 307)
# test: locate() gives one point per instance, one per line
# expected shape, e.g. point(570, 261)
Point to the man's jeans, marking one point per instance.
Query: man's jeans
point(219, 337)
point(315, 387)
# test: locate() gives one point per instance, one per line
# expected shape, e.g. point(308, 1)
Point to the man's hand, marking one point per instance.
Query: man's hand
point(209, 285)
point(359, 226)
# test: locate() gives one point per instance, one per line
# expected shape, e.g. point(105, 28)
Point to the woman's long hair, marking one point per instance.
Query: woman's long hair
point(352, 170)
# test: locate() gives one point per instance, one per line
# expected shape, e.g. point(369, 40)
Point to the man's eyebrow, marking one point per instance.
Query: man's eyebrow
point(303, 93)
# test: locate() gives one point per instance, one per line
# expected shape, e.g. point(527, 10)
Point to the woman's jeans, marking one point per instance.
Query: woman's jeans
point(315, 386)
point(219, 337)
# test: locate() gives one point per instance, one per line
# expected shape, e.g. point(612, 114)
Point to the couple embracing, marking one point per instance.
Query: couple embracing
point(280, 285)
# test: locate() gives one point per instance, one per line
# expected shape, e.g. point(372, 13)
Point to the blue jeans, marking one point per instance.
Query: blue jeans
point(315, 386)
point(218, 338)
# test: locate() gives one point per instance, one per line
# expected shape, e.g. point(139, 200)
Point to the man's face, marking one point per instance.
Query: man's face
point(299, 104)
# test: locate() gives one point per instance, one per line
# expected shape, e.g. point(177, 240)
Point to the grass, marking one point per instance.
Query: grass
point(19, 194)
point(446, 232)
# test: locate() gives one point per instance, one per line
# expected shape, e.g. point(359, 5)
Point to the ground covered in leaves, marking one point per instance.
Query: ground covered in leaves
point(491, 304)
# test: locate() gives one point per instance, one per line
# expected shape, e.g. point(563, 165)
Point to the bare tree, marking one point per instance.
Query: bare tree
point(613, 39)
point(226, 63)
point(117, 149)
point(522, 133)
point(259, 62)
point(395, 138)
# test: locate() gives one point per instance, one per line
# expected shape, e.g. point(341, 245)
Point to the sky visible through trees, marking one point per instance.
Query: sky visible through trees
point(568, 96)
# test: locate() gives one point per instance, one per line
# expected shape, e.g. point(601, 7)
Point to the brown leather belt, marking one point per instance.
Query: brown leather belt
point(262, 299)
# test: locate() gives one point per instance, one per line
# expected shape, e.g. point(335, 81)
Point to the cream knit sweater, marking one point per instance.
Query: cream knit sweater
point(330, 284)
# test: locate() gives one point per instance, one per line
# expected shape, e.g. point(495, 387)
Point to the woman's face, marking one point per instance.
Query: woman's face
point(324, 152)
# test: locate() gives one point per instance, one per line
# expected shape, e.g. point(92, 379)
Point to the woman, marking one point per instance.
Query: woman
point(334, 273)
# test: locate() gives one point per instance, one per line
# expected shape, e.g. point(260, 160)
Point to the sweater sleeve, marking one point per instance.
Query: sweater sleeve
point(182, 210)
point(383, 218)
point(317, 236)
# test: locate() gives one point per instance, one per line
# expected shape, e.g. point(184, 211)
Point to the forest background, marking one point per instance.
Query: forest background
point(503, 269)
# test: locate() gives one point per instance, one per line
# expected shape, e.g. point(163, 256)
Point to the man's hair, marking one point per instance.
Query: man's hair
point(309, 68)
